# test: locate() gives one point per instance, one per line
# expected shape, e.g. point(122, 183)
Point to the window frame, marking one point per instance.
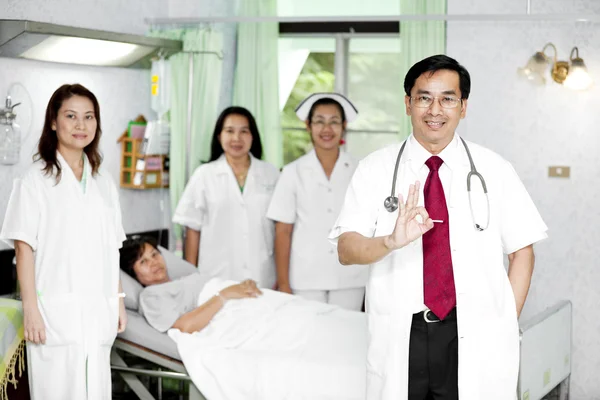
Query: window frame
point(343, 32)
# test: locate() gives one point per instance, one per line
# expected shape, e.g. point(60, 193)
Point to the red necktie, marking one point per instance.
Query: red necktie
point(438, 277)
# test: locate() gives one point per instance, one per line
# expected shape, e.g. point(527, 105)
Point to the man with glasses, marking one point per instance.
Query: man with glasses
point(442, 309)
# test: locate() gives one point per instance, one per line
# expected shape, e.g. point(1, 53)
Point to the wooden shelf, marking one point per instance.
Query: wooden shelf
point(142, 171)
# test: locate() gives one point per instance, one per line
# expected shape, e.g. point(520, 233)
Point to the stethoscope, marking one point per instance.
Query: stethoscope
point(391, 202)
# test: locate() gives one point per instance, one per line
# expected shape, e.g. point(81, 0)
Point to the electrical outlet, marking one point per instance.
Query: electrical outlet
point(559, 172)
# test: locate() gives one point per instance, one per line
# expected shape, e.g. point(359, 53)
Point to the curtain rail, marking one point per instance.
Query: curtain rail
point(382, 18)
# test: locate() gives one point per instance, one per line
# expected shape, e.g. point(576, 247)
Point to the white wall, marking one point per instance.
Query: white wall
point(535, 128)
point(198, 8)
point(109, 15)
point(122, 93)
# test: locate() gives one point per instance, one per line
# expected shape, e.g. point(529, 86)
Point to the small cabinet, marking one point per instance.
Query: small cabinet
point(142, 171)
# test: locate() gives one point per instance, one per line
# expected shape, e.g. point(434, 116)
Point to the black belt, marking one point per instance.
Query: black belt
point(429, 317)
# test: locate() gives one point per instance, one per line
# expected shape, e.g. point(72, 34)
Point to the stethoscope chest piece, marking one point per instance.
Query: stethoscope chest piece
point(391, 203)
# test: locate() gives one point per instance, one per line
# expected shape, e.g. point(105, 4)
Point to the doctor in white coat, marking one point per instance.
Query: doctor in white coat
point(442, 310)
point(64, 221)
point(305, 204)
point(224, 205)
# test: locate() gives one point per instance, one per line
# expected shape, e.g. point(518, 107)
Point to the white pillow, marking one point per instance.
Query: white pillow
point(132, 289)
point(176, 265)
point(177, 268)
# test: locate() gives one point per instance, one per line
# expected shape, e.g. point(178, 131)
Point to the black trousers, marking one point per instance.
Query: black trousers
point(433, 359)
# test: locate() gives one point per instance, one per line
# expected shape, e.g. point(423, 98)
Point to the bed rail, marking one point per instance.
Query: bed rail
point(545, 353)
point(130, 375)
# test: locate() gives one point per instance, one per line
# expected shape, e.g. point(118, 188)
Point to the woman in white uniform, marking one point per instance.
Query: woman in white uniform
point(224, 205)
point(64, 221)
point(305, 204)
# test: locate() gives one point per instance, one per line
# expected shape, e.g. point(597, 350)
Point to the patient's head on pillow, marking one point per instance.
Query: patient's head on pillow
point(141, 259)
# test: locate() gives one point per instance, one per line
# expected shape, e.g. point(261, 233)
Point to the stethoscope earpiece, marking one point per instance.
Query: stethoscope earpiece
point(391, 203)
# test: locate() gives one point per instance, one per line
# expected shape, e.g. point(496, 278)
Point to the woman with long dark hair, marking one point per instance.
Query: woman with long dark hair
point(64, 221)
point(224, 205)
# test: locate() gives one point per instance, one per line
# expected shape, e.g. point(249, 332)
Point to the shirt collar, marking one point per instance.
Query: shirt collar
point(221, 162)
point(418, 155)
point(342, 162)
point(224, 167)
point(87, 168)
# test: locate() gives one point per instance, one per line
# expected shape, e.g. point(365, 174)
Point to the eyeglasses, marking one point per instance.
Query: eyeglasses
point(335, 125)
point(425, 101)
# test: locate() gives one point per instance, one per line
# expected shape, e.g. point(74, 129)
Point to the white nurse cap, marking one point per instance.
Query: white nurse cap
point(304, 107)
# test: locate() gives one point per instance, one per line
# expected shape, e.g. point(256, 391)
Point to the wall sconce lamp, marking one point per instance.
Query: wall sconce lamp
point(572, 74)
point(578, 77)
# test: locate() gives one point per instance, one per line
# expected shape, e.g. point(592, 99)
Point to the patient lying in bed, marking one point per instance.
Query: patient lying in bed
point(245, 343)
point(167, 303)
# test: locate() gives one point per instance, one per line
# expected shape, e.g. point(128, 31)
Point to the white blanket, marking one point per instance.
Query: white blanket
point(276, 347)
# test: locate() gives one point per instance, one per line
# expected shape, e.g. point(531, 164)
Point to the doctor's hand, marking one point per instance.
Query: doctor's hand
point(408, 227)
point(122, 317)
point(34, 328)
point(242, 290)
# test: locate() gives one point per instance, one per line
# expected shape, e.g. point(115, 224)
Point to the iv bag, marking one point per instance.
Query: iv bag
point(10, 143)
point(157, 138)
point(160, 89)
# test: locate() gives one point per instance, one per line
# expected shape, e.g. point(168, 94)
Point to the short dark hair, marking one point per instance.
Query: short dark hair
point(215, 148)
point(48, 143)
point(326, 101)
point(436, 63)
point(132, 250)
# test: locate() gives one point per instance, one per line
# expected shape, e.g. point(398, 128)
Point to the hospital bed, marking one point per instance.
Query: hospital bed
point(545, 352)
point(158, 348)
point(142, 341)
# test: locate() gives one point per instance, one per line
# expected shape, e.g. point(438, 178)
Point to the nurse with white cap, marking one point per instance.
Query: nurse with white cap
point(305, 204)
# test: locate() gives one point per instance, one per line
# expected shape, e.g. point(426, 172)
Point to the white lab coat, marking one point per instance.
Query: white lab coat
point(306, 198)
point(487, 322)
point(75, 237)
point(236, 240)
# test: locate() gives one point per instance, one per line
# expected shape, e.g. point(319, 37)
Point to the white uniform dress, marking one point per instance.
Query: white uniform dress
point(76, 237)
point(236, 240)
point(487, 321)
point(306, 198)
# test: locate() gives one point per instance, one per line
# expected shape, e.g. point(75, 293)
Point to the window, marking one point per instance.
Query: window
point(374, 85)
point(368, 73)
point(305, 66)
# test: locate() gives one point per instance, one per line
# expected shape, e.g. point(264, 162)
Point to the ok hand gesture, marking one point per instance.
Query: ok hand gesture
point(408, 228)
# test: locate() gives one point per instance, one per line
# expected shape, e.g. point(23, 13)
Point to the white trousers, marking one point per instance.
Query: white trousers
point(350, 299)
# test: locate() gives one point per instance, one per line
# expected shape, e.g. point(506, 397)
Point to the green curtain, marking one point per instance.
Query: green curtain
point(418, 40)
point(256, 82)
point(206, 85)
